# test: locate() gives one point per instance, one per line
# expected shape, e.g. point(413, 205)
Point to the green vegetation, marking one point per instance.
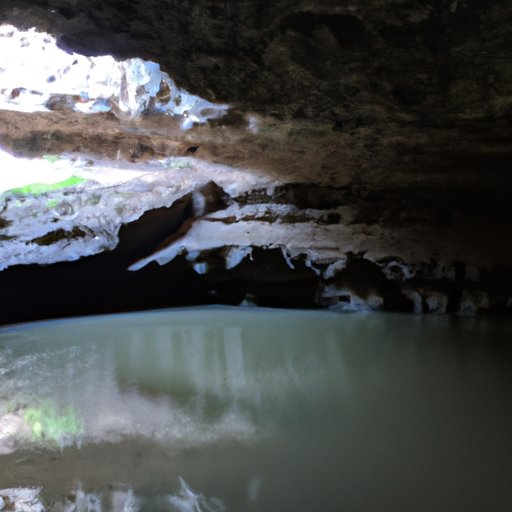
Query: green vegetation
point(49, 424)
point(52, 203)
point(36, 189)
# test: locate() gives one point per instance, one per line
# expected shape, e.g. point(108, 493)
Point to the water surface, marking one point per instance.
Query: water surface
point(264, 410)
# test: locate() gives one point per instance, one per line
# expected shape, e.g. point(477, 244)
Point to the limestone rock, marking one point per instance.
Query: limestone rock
point(363, 159)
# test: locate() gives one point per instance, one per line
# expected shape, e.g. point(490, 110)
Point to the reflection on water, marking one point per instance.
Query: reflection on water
point(118, 498)
point(265, 410)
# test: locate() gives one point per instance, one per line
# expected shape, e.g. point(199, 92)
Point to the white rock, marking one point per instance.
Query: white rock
point(25, 499)
point(12, 429)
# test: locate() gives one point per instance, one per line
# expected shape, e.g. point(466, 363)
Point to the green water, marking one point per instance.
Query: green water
point(265, 410)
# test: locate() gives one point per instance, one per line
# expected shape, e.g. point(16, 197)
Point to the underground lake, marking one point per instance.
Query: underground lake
point(245, 409)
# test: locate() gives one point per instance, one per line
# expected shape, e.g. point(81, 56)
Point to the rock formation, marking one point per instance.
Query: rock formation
point(329, 154)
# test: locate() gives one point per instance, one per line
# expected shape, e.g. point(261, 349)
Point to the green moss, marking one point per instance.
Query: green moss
point(51, 203)
point(36, 189)
point(49, 424)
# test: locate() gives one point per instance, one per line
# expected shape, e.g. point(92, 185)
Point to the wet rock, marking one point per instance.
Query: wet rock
point(345, 299)
point(472, 301)
point(416, 298)
point(436, 302)
point(119, 498)
point(13, 430)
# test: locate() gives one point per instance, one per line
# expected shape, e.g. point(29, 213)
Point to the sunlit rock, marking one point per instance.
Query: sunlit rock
point(37, 75)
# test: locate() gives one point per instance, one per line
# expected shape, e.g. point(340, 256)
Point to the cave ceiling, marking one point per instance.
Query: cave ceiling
point(371, 140)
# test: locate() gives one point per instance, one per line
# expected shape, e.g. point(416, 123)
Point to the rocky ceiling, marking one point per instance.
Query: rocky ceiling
point(365, 161)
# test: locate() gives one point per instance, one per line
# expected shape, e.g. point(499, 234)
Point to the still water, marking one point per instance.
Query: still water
point(225, 409)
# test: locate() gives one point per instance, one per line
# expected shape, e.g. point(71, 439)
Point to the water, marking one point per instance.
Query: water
point(219, 409)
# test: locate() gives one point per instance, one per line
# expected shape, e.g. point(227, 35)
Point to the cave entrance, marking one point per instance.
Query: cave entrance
point(36, 74)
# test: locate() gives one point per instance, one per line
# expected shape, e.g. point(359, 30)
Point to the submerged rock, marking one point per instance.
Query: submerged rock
point(21, 499)
point(120, 498)
point(13, 431)
point(187, 500)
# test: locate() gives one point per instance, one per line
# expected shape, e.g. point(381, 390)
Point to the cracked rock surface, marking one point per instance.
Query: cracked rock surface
point(363, 164)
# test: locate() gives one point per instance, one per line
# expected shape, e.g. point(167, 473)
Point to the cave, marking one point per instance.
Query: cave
point(366, 150)
point(349, 160)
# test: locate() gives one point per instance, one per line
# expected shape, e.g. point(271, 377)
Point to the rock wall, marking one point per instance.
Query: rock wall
point(363, 163)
